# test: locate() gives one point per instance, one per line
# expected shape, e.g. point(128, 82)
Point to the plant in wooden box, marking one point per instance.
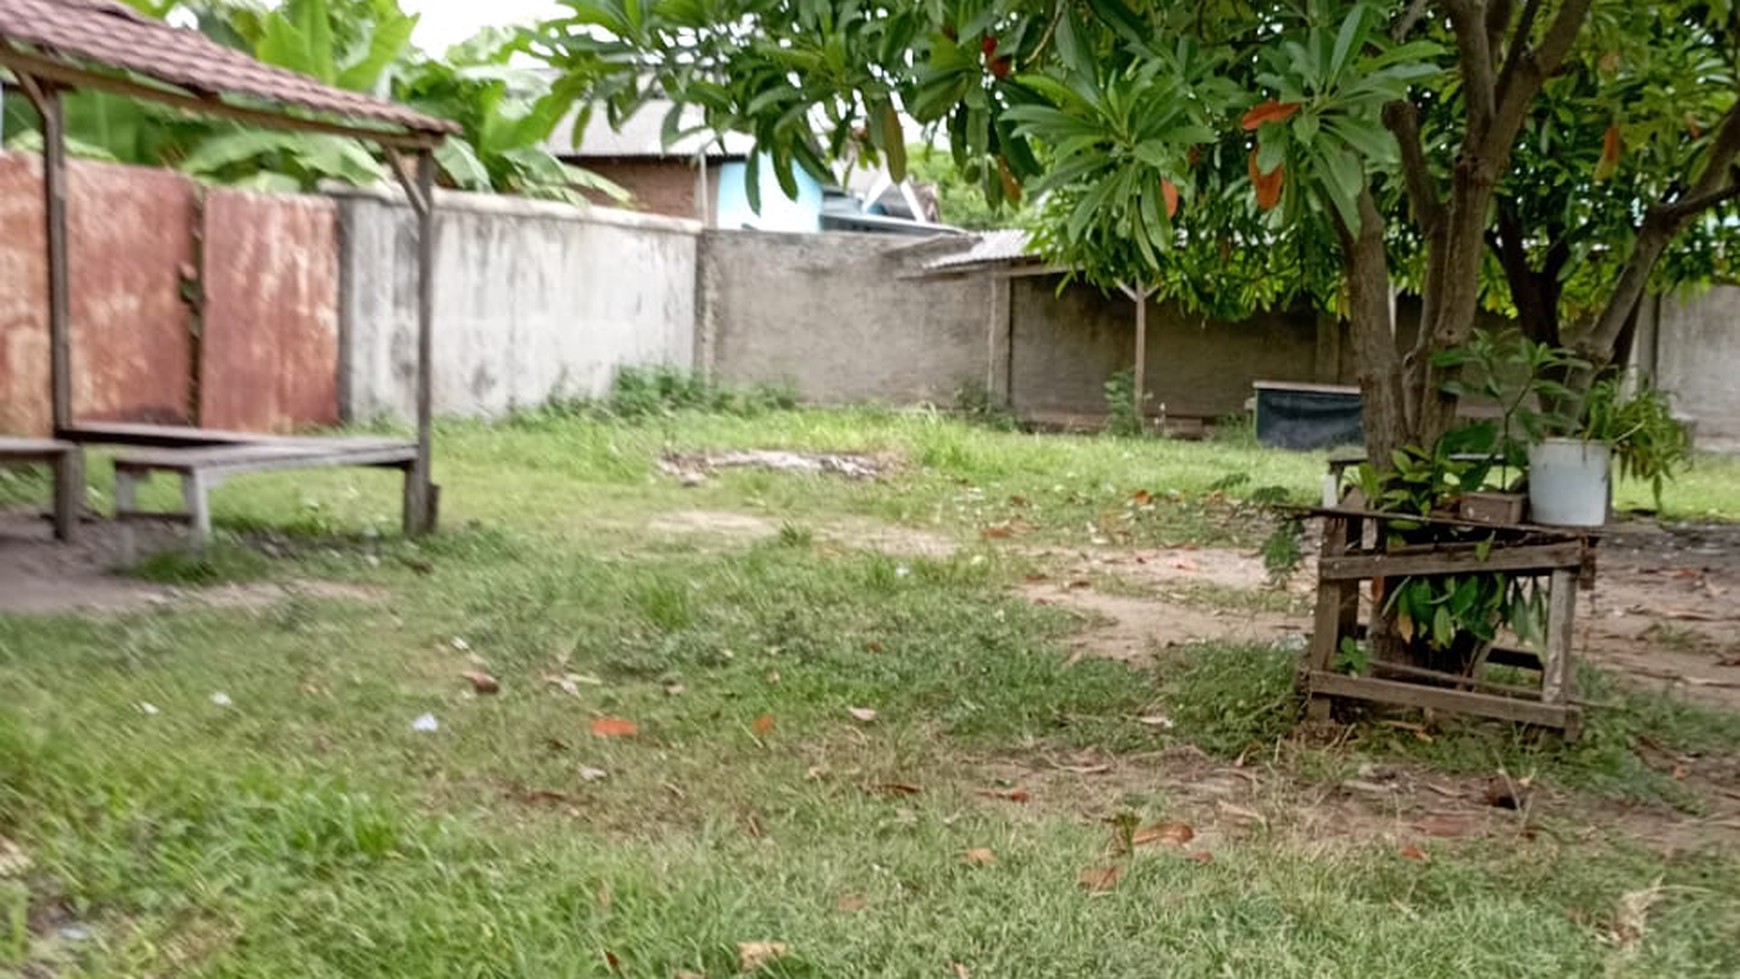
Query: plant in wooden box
point(1445, 623)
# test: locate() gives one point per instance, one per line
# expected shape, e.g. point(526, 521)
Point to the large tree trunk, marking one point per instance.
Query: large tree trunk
point(1379, 364)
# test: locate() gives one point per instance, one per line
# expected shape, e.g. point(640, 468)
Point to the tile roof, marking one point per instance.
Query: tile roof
point(1004, 247)
point(113, 35)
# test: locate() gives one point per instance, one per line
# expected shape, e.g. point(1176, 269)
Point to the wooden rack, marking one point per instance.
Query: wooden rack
point(1566, 557)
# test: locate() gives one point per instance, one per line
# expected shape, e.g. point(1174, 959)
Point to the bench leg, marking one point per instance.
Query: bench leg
point(196, 500)
point(69, 493)
point(420, 502)
point(126, 504)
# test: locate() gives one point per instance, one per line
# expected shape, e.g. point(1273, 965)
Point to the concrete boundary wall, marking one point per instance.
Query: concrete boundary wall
point(533, 301)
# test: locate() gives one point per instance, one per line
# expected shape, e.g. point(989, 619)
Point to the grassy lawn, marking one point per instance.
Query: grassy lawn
point(298, 824)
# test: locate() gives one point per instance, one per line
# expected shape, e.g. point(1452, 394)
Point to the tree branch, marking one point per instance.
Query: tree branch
point(1716, 183)
point(1527, 68)
point(1474, 54)
point(1410, 19)
point(1403, 119)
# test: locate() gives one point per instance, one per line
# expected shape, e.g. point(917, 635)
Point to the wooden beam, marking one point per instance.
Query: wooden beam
point(1559, 675)
point(1541, 558)
point(48, 69)
point(419, 485)
point(1564, 717)
point(48, 103)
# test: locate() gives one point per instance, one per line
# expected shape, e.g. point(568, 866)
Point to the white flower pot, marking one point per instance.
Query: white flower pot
point(1570, 482)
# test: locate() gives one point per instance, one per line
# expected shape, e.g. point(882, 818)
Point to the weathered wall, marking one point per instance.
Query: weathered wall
point(1066, 345)
point(269, 347)
point(841, 316)
point(1692, 347)
point(533, 301)
point(129, 240)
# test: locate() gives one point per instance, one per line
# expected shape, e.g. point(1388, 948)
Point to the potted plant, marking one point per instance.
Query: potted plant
point(1515, 375)
point(1571, 477)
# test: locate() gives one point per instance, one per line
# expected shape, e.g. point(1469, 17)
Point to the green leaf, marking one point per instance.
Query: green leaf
point(388, 41)
point(459, 161)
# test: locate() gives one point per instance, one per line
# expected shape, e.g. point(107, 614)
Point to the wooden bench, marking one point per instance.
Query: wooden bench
point(203, 467)
point(68, 463)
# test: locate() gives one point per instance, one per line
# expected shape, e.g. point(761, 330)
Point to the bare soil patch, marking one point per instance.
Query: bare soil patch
point(42, 576)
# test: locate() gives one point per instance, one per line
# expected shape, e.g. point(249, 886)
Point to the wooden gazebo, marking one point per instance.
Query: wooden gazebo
point(52, 46)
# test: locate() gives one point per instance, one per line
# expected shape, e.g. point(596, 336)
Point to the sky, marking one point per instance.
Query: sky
point(447, 22)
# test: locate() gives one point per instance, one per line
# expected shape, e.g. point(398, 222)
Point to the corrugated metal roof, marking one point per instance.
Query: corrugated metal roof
point(641, 136)
point(113, 35)
point(1005, 247)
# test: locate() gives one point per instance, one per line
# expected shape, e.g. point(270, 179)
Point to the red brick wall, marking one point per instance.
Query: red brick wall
point(659, 186)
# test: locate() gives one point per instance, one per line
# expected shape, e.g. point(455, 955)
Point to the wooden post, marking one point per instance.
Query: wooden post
point(420, 488)
point(46, 98)
point(59, 284)
point(1139, 295)
point(1558, 674)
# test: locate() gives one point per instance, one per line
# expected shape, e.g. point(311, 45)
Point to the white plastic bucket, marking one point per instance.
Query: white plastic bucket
point(1569, 482)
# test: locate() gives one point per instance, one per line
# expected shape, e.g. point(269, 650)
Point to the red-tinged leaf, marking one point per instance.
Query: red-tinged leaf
point(988, 46)
point(1141, 497)
point(1008, 795)
point(1412, 852)
point(612, 960)
point(763, 724)
point(482, 682)
point(1266, 112)
point(614, 727)
point(1099, 880)
point(1169, 191)
point(1011, 183)
point(1001, 67)
point(1269, 188)
point(1173, 834)
point(1611, 147)
point(979, 856)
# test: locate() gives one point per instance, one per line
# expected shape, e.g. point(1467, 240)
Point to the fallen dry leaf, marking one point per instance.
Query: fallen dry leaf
point(997, 532)
point(1201, 856)
point(1009, 795)
point(1245, 817)
point(590, 774)
point(863, 715)
point(772, 676)
point(961, 971)
point(979, 855)
point(674, 688)
point(873, 646)
point(899, 788)
point(851, 902)
point(754, 955)
point(614, 727)
point(686, 974)
point(1632, 918)
point(762, 724)
point(1412, 852)
point(1444, 827)
point(1080, 583)
point(1141, 497)
point(13, 860)
point(1099, 880)
point(1175, 834)
point(1187, 565)
point(1160, 721)
point(482, 682)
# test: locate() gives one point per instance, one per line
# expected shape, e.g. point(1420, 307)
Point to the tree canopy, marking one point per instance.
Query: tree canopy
point(1552, 158)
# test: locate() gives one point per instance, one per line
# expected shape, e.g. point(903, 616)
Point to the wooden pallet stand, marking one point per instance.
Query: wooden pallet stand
point(1566, 557)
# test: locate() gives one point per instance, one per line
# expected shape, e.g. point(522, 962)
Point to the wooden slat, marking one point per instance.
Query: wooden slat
point(1558, 680)
point(182, 436)
point(230, 460)
point(1537, 557)
point(1437, 698)
point(1454, 680)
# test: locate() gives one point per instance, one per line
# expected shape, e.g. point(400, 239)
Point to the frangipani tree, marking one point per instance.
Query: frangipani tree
point(1537, 155)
